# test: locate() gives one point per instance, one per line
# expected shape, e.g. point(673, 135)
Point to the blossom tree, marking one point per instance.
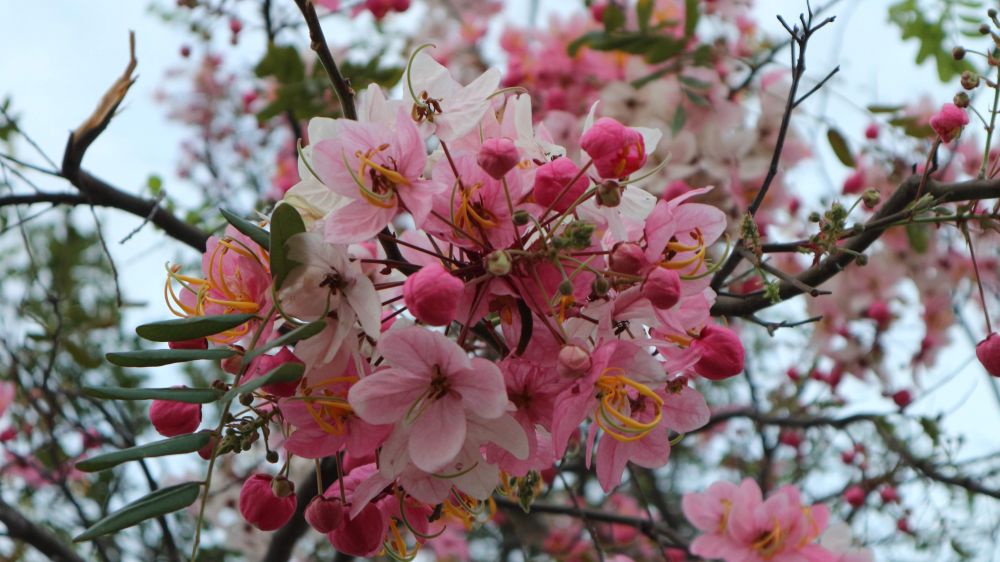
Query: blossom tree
point(576, 306)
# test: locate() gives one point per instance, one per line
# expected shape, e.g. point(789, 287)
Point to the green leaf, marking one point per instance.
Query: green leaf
point(157, 357)
point(691, 15)
point(932, 429)
point(303, 332)
point(187, 395)
point(884, 108)
point(839, 145)
point(283, 63)
point(644, 12)
point(286, 372)
point(661, 49)
point(160, 502)
point(191, 328)
point(694, 83)
point(285, 223)
point(254, 232)
point(613, 17)
point(582, 41)
point(173, 446)
point(919, 238)
point(680, 117)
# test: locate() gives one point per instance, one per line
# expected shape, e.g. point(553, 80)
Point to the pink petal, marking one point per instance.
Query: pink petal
point(356, 222)
point(685, 411)
point(481, 388)
point(385, 396)
point(420, 350)
point(438, 434)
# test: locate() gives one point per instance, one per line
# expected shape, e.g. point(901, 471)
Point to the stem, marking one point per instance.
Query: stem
point(991, 128)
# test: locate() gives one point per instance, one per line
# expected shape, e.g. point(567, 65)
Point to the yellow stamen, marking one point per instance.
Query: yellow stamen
point(615, 411)
point(771, 543)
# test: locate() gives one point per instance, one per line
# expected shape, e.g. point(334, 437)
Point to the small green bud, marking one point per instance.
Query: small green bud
point(609, 193)
point(961, 99)
point(246, 399)
point(272, 457)
point(814, 217)
point(871, 198)
point(498, 263)
point(521, 217)
point(958, 53)
point(601, 286)
point(861, 260)
point(566, 288)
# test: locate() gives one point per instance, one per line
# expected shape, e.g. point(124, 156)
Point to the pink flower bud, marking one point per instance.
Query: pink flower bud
point(235, 25)
point(879, 312)
point(264, 364)
point(617, 150)
point(324, 514)
point(197, 343)
point(552, 178)
point(662, 287)
point(627, 257)
point(206, 451)
point(262, 507)
point(988, 352)
point(362, 535)
point(791, 438)
point(497, 157)
point(574, 361)
point(171, 418)
point(855, 496)
point(855, 183)
point(903, 525)
point(721, 353)
point(889, 495)
point(432, 295)
point(902, 398)
point(871, 131)
point(948, 122)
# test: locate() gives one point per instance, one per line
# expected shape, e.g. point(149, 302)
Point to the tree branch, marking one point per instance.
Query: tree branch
point(21, 528)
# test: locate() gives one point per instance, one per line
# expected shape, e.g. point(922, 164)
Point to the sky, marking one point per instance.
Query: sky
point(61, 55)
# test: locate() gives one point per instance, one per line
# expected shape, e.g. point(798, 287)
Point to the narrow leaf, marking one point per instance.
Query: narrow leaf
point(188, 395)
point(254, 232)
point(691, 16)
point(190, 328)
point(157, 357)
point(160, 502)
point(285, 223)
point(286, 372)
point(886, 108)
point(304, 331)
point(839, 145)
point(173, 446)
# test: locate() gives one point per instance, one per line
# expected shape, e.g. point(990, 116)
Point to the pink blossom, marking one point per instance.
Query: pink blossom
point(324, 514)
point(552, 184)
point(662, 287)
point(498, 156)
point(429, 390)
point(617, 150)
point(988, 353)
point(949, 121)
point(721, 351)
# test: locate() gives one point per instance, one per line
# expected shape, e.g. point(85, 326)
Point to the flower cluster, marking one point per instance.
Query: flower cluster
point(480, 298)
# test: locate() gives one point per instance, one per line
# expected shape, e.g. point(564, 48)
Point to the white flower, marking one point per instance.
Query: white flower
point(461, 107)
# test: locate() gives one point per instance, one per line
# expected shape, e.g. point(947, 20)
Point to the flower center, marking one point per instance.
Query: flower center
point(675, 248)
point(426, 109)
point(328, 410)
point(769, 543)
point(384, 177)
point(471, 216)
point(621, 400)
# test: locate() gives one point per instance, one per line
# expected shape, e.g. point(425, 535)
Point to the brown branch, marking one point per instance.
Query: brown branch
point(21, 528)
point(895, 209)
point(319, 45)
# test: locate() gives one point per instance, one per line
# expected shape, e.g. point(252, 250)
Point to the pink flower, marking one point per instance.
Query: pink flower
point(739, 526)
point(497, 157)
point(617, 150)
point(324, 514)
point(456, 109)
point(264, 364)
point(432, 294)
point(474, 203)
point(855, 496)
point(429, 390)
point(949, 121)
point(988, 353)
point(171, 418)
point(267, 503)
point(7, 391)
point(627, 257)
point(378, 168)
point(553, 178)
point(721, 351)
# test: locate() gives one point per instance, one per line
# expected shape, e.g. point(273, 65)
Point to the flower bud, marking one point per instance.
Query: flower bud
point(262, 506)
point(854, 183)
point(552, 178)
point(171, 418)
point(627, 257)
point(855, 496)
point(232, 365)
point(601, 286)
point(958, 53)
point(432, 295)
point(197, 343)
point(871, 131)
point(498, 263)
point(889, 494)
point(722, 353)
point(961, 99)
point(970, 80)
point(324, 514)
point(497, 157)
point(871, 198)
point(988, 353)
point(902, 398)
point(206, 451)
point(574, 361)
point(566, 288)
point(949, 121)
point(617, 150)
point(880, 313)
point(521, 217)
point(662, 287)
point(264, 364)
point(609, 193)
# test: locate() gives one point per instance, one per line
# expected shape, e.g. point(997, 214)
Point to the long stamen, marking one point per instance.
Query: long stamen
point(615, 411)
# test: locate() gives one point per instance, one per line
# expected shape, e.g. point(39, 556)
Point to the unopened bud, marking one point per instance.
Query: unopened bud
point(970, 80)
point(961, 100)
point(871, 198)
point(566, 288)
point(992, 13)
point(521, 217)
point(272, 457)
point(574, 361)
point(984, 29)
point(627, 257)
point(958, 53)
point(609, 193)
point(498, 263)
point(600, 286)
point(282, 487)
point(814, 217)
point(861, 260)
